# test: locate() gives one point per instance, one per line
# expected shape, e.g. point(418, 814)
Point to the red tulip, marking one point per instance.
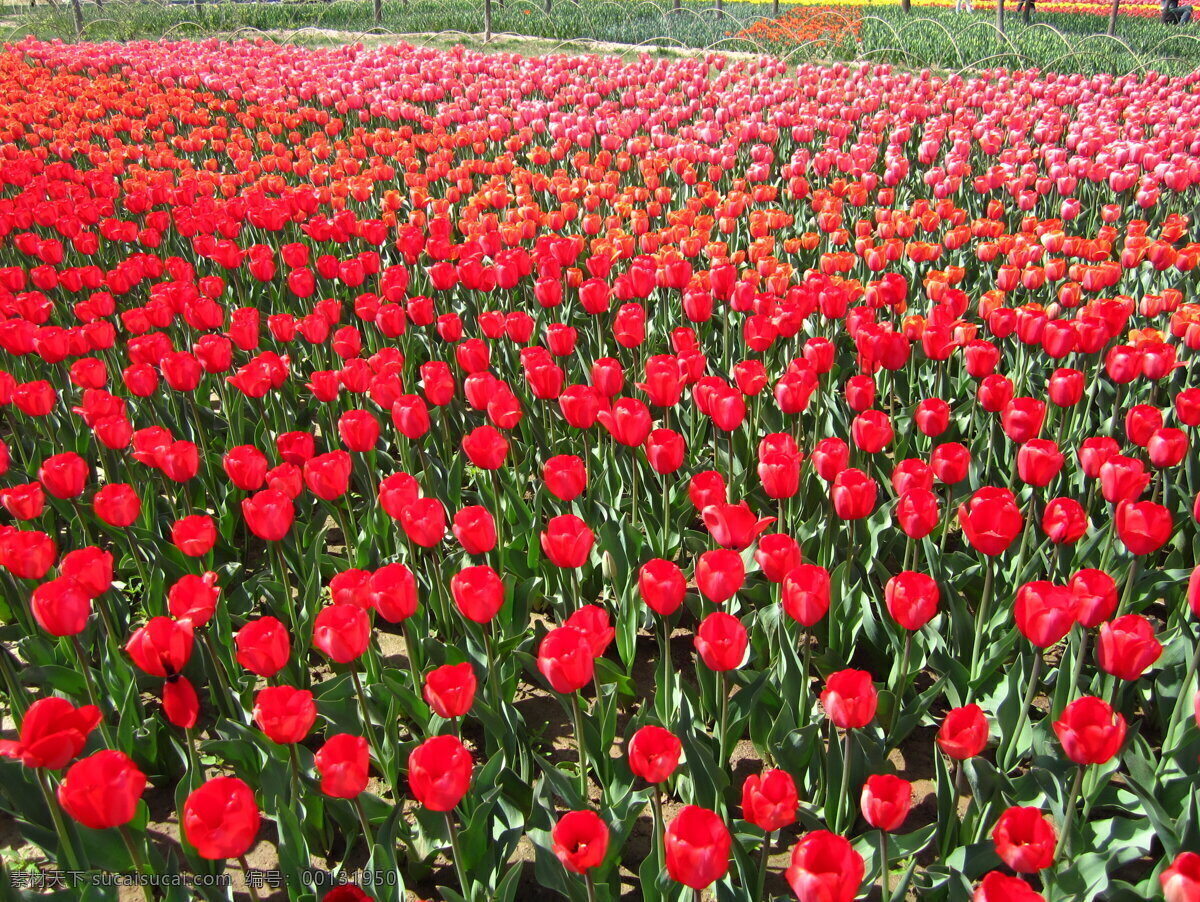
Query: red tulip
point(720, 574)
point(706, 489)
point(196, 535)
point(1095, 452)
point(769, 801)
point(805, 594)
point(565, 476)
point(593, 621)
point(117, 505)
point(996, 887)
point(63, 475)
point(342, 631)
point(628, 421)
point(662, 586)
point(964, 732)
point(912, 598)
point(1123, 479)
point(263, 646)
point(478, 593)
point(392, 591)
point(654, 754)
point(1181, 881)
point(734, 525)
point(1095, 596)
point(439, 772)
point(777, 555)
point(450, 690)
point(1064, 521)
point(1044, 612)
point(60, 607)
point(1025, 840)
point(285, 714)
point(932, 417)
point(950, 462)
point(565, 659)
point(344, 763)
point(53, 732)
point(220, 818)
point(567, 541)
point(1127, 647)
point(871, 431)
point(1022, 419)
point(193, 599)
point(917, 513)
point(269, 514)
point(697, 847)
point(886, 800)
point(475, 529)
point(424, 522)
point(854, 494)
point(181, 704)
point(825, 868)
point(1038, 461)
point(580, 841)
point(1143, 526)
point(779, 473)
point(102, 790)
point(326, 475)
point(1090, 731)
point(162, 647)
point(665, 450)
point(850, 699)
point(485, 447)
point(991, 520)
point(722, 641)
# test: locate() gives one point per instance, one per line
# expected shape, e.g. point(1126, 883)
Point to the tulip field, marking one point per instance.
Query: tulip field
point(438, 474)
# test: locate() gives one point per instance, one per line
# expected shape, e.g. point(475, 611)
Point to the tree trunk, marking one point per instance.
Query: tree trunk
point(720, 7)
point(547, 7)
point(775, 8)
point(675, 6)
point(487, 21)
point(77, 14)
point(1000, 15)
point(378, 11)
point(906, 5)
point(1112, 18)
point(198, 4)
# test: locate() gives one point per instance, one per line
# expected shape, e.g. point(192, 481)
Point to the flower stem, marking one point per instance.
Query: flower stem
point(1064, 842)
point(67, 849)
point(885, 877)
point(246, 878)
point(136, 857)
point(981, 615)
point(583, 776)
point(365, 714)
point(1010, 741)
point(457, 852)
point(763, 861)
point(364, 822)
point(844, 793)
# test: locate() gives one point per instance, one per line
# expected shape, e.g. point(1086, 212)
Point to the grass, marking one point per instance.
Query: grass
point(928, 37)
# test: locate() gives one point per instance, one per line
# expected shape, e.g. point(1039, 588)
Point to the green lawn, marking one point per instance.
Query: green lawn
point(928, 37)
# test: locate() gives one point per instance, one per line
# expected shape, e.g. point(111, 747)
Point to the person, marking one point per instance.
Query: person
point(961, 6)
point(1027, 8)
point(1174, 14)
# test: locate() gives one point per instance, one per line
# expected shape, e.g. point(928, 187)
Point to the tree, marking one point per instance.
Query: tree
point(1000, 15)
point(1112, 18)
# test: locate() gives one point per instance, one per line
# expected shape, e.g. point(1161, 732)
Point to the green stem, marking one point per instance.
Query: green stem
point(591, 886)
point(245, 865)
point(364, 822)
point(295, 762)
point(1064, 842)
point(365, 714)
point(1011, 740)
point(723, 738)
point(981, 616)
point(86, 669)
point(763, 862)
point(136, 857)
point(67, 848)
point(885, 877)
point(844, 793)
point(583, 767)
point(457, 852)
point(1077, 667)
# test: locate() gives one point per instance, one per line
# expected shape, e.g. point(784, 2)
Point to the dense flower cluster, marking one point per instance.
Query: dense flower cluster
point(374, 419)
